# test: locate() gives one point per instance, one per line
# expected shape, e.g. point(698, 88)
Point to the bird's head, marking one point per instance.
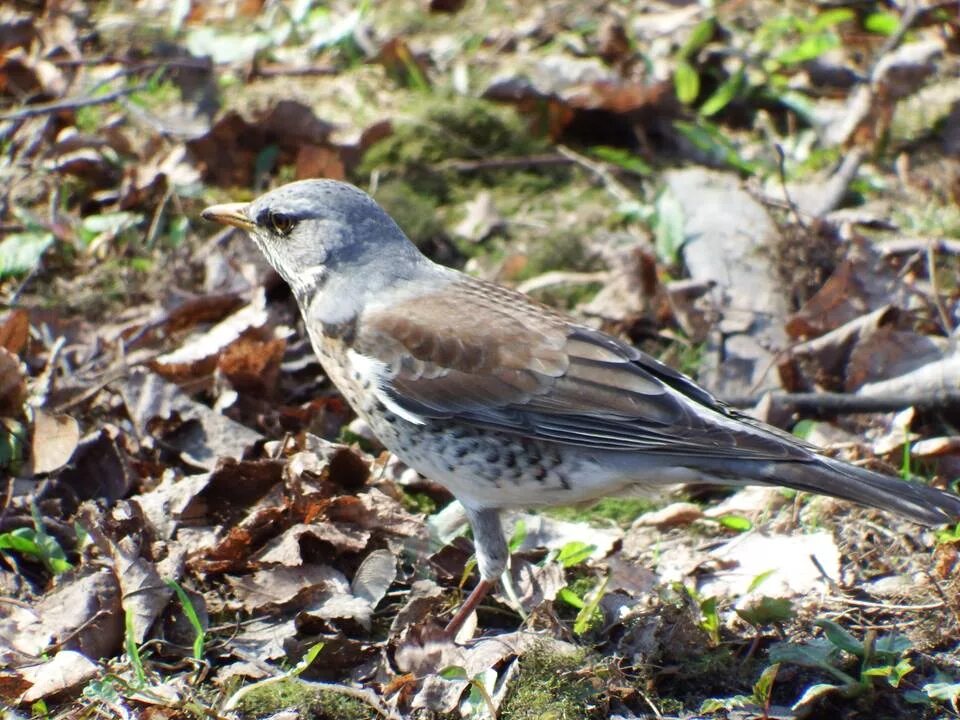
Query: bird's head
point(312, 230)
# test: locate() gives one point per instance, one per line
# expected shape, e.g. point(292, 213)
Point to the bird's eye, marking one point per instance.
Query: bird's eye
point(281, 224)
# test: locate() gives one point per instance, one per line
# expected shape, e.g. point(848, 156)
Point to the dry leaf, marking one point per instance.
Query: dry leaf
point(14, 331)
point(55, 438)
point(13, 383)
point(66, 671)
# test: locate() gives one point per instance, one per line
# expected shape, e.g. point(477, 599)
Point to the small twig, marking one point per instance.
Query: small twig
point(559, 277)
point(782, 174)
point(154, 229)
point(613, 186)
point(292, 71)
point(885, 606)
point(110, 375)
point(70, 104)
point(503, 163)
point(823, 573)
point(843, 403)
point(15, 298)
point(935, 290)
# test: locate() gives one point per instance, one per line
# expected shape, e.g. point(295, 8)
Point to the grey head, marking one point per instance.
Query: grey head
point(323, 233)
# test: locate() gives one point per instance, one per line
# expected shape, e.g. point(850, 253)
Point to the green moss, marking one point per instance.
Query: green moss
point(312, 702)
point(553, 686)
point(561, 251)
point(414, 212)
point(419, 502)
point(622, 511)
point(449, 129)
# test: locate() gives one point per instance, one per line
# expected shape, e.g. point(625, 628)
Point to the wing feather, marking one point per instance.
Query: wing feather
point(508, 364)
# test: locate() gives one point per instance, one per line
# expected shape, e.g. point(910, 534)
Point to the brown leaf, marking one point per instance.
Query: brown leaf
point(81, 613)
point(288, 548)
point(252, 365)
point(14, 331)
point(13, 383)
point(203, 436)
point(278, 587)
point(199, 355)
point(55, 438)
point(315, 161)
point(100, 466)
point(888, 352)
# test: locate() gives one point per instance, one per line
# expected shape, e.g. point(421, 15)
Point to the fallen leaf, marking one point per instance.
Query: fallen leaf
point(15, 331)
point(55, 438)
point(13, 383)
point(673, 515)
point(65, 672)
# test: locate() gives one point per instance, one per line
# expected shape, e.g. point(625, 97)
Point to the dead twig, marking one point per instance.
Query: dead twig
point(602, 171)
point(70, 104)
point(935, 298)
point(886, 606)
point(504, 163)
point(845, 404)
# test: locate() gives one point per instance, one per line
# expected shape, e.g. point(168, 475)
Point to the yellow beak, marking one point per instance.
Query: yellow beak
point(229, 214)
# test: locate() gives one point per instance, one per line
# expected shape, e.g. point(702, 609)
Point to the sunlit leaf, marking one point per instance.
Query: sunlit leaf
point(809, 48)
point(882, 23)
point(574, 553)
point(723, 95)
point(570, 598)
point(453, 672)
point(21, 252)
point(735, 522)
point(840, 637)
point(622, 159)
point(686, 82)
point(699, 36)
point(832, 18)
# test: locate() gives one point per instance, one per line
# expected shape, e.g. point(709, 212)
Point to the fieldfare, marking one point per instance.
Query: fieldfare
point(506, 402)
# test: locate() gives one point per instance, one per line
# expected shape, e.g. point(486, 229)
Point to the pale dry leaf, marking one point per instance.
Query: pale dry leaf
point(82, 612)
point(785, 560)
point(145, 595)
point(212, 342)
point(263, 639)
point(164, 505)
point(286, 548)
point(68, 670)
point(535, 584)
point(55, 438)
point(340, 606)
point(203, 436)
point(552, 534)
point(282, 586)
point(374, 576)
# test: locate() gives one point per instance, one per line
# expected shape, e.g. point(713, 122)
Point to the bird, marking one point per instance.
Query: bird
point(509, 403)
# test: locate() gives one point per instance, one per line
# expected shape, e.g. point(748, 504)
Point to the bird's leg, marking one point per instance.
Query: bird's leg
point(492, 553)
point(468, 606)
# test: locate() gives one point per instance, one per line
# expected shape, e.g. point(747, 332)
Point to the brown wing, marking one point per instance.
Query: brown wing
point(488, 356)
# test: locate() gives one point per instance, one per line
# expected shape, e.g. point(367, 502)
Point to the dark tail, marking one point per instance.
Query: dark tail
point(825, 476)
